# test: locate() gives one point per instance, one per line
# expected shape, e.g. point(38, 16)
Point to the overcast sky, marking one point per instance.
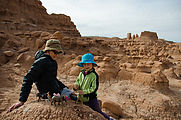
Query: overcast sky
point(116, 18)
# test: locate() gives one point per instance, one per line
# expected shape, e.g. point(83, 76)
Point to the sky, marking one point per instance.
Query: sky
point(116, 18)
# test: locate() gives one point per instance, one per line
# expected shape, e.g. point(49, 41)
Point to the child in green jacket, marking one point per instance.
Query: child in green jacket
point(87, 84)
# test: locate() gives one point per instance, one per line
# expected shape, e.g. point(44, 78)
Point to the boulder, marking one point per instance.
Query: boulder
point(57, 35)
point(39, 43)
point(113, 107)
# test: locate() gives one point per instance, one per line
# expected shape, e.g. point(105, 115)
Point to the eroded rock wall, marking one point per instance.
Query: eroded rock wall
point(25, 15)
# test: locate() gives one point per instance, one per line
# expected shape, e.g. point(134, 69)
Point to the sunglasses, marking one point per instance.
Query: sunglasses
point(55, 52)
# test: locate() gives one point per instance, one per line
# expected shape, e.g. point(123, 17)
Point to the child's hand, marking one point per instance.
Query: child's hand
point(75, 87)
point(80, 92)
point(74, 93)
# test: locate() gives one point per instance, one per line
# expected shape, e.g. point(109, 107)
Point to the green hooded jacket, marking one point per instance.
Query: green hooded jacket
point(88, 84)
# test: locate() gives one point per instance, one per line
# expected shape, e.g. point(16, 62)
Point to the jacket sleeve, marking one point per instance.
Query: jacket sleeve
point(32, 76)
point(93, 86)
point(61, 85)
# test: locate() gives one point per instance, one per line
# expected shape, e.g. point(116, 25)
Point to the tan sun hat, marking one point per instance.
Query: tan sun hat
point(53, 44)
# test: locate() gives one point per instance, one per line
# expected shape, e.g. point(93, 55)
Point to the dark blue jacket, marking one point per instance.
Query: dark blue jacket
point(44, 74)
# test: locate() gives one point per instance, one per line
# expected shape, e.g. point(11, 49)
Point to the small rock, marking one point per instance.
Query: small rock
point(8, 53)
point(107, 59)
point(17, 65)
point(90, 115)
point(20, 57)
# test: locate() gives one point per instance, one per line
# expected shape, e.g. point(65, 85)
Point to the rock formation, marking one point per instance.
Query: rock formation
point(23, 15)
point(134, 37)
point(137, 35)
point(128, 36)
point(140, 77)
point(149, 34)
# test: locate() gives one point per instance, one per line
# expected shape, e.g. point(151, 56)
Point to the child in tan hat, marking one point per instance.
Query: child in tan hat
point(43, 73)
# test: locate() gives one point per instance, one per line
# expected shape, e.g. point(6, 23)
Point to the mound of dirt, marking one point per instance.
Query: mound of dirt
point(44, 111)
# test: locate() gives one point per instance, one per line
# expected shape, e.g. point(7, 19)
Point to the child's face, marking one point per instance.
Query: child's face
point(53, 55)
point(87, 66)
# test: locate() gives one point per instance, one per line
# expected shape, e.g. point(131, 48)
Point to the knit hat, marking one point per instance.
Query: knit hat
point(53, 44)
point(87, 58)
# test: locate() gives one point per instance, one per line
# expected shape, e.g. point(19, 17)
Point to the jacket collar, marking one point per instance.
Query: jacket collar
point(92, 70)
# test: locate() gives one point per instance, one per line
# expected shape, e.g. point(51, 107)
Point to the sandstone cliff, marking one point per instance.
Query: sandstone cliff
point(30, 15)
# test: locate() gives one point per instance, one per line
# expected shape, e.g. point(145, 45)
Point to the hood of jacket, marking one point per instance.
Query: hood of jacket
point(39, 54)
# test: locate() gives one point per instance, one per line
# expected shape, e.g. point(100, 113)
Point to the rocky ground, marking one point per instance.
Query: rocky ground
point(129, 88)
